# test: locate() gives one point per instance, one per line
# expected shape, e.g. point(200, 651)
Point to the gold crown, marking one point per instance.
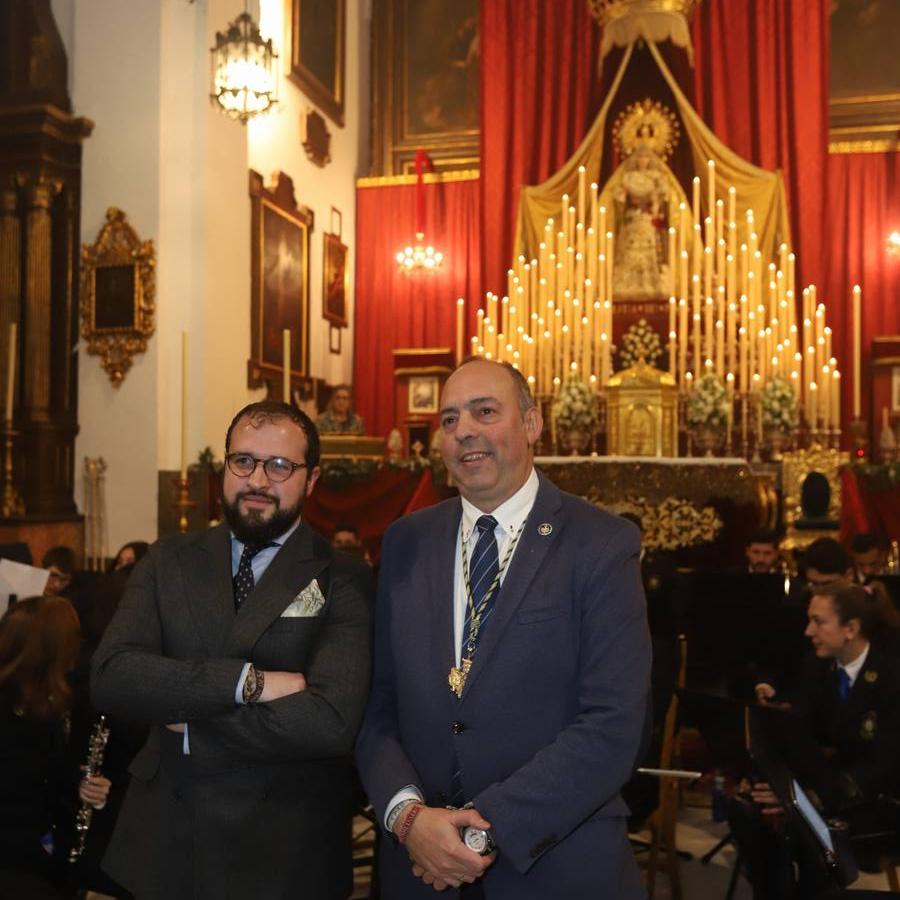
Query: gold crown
point(647, 123)
point(605, 11)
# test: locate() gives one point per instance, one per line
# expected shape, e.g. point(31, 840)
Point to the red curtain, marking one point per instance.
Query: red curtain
point(761, 83)
point(539, 94)
point(394, 309)
point(863, 209)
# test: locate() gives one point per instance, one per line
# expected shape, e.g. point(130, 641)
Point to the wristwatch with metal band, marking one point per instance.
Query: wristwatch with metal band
point(478, 840)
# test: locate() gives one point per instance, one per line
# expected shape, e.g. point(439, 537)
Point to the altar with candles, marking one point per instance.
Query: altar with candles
point(656, 246)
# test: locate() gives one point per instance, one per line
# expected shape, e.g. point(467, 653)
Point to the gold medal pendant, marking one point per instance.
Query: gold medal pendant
point(457, 677)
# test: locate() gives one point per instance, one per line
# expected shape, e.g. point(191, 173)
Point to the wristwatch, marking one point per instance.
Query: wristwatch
point(478, 840)
point(253, 684)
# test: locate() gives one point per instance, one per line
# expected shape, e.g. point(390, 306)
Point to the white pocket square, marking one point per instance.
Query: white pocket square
point(308, 602)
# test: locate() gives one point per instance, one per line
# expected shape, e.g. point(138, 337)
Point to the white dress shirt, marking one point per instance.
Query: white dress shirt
point(853, 668)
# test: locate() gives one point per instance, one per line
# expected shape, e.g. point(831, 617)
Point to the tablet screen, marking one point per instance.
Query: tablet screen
point(811, 816)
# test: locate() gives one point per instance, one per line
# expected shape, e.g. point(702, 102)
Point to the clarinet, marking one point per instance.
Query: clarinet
point(96, 749)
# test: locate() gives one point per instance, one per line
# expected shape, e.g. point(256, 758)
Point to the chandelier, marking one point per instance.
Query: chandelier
point(420, 255)
point(244, 77)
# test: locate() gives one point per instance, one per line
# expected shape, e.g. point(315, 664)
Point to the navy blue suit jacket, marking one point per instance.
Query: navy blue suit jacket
point(549, 725)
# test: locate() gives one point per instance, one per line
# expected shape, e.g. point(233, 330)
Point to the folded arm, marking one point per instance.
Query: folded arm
point(131, 676)
point(318, 722)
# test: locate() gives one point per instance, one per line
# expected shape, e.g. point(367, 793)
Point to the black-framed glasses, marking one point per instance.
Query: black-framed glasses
point(277, 468)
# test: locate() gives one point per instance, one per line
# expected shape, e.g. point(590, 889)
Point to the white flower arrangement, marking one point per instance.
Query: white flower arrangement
point(640, 341)
point(707, 405)
point(575, 407)
point(779, 405)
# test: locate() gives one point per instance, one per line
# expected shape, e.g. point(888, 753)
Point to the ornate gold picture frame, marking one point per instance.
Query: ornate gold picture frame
point(334, 288)
point(279, 260)
point(864, 103)
point(424, 391)
point(317, 53)
point(118, 295)
point(425, 84)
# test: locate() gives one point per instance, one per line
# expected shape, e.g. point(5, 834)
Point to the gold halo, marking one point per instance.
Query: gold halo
point(647, 123)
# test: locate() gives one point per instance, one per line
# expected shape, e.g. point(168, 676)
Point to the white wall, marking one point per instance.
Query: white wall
point(114, 60)
point(179, 169)
point(275, 142)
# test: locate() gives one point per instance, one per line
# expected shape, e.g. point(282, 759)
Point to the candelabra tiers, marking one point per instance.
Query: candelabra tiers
point(12, 501)
point(183, 503)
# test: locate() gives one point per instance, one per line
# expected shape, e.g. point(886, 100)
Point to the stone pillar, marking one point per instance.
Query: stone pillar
point(10, 269)
point(38, 296)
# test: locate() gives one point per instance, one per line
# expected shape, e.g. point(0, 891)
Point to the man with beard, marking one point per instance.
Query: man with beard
point(246, 648)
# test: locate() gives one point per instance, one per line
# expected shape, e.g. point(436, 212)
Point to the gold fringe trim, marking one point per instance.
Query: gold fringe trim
point(427, 178)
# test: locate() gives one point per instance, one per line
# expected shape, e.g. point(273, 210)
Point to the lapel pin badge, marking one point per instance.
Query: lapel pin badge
point(871, 676)
point(544, 529)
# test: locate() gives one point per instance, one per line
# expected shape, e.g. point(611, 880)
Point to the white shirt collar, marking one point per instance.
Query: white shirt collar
point(853, 668)
point(510, 514)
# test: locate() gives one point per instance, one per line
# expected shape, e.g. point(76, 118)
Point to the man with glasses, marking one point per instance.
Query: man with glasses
point(247, 646)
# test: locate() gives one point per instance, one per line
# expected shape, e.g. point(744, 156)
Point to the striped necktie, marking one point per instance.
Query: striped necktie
point(482, 571)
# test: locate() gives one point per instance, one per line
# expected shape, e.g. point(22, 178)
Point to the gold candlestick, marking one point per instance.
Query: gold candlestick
point(183, 502)
point(13, 505)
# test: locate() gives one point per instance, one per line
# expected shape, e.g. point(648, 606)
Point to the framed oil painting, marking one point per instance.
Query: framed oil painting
point(426, 69)
point(423, 394)
point(334, 289)
point(280, 241)
point(864, 63)
point(118, 294)
point(317, 53)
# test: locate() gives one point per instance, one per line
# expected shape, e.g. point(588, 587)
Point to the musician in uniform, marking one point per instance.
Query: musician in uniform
point(849, 698)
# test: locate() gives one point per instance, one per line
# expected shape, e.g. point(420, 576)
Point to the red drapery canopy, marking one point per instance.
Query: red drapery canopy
point(539, 94)
point(395, 309)
point(761, 83)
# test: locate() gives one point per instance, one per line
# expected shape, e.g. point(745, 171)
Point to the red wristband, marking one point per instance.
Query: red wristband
point(408, 819)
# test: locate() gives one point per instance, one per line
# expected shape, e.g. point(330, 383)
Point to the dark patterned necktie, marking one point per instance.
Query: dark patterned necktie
point(483, 569)
point(243, 578)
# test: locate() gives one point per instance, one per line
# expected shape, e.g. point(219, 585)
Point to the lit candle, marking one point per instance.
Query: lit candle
point(11, 372)
point(582, 190)
point(836, 400)
point(729, 390)
point(695, 199)
point(184, 403)
point(812, 412)
point(672, 341)
point(460, 332)
point(286, 365)
point(857, 349)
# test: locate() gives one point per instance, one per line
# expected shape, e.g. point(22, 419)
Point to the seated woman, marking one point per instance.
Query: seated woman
point(39, 641)
point(849, 697)
point(339, 417)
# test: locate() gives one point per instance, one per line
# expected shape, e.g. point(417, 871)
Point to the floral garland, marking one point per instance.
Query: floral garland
point(575, 407)
point(707, 405)
point(640, 341)
point(779, 405)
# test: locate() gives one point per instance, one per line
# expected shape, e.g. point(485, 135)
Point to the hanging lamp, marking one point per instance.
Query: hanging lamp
point(244, 76)
point(420, 255)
